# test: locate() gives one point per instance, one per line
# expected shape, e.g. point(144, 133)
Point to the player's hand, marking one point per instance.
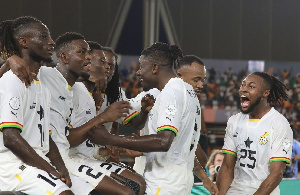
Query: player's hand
point(65, 177)
point(147, 103)
point(128, 152)
point(210, 186)
point(19, 67)
point(116, 111)
point(212, 171)
point(99, 135)
point(98, 77)
point(98, 99)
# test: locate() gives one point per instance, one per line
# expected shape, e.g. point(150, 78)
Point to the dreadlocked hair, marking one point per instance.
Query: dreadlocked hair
point(9, 32)
point(277, 88)
point(64, 39)
point(164, 54)
point(94, 45)
point(113, 90)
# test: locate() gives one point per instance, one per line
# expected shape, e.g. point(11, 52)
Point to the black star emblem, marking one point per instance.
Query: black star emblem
point(248, 142)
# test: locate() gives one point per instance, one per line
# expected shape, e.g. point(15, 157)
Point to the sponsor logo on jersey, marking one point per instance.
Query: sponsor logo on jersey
point(22, 167)
point(286, 144)
point(62, 98)
point(263, 139)
point(14, 103)
point(88, 111)
point(14, 114)
point(33, 105)
point(192, 93)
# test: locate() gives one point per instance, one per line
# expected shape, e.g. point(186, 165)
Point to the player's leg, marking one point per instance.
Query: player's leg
point(109, 186)
point(132, 178)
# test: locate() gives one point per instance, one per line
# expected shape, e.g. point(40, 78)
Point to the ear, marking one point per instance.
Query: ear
point(179, 74)
point(64, 58)
point(155, 69)
point(23, 42)
point(266, 93)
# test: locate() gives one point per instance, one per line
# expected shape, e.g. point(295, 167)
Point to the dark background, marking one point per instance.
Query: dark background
point(211, 29)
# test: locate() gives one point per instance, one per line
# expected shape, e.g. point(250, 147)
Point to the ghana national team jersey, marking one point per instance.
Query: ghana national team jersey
point(84, 110)
point(105, 104)
point(256, 143)
point(176, 109)
point(26, 109)
point(61, 106)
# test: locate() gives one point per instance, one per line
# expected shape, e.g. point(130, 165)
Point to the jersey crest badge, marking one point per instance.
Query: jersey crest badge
point(263, 139)
point(14, 103)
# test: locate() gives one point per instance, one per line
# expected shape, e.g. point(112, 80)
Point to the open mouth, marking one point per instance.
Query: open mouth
point(245, 102)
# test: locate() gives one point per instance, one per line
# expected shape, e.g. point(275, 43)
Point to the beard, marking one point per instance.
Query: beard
point(252, 107)
point(38, 58)
point(85, 76)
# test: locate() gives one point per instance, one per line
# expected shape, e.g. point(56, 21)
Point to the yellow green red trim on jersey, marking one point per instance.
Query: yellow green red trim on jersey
point(11, 124)
point(254, 119)
point(50, 132)
point(70, 126)
point(224, 151)
point(167, 127)
point(126, 121)
point(266, 134)
point(287, 160)
point(70, 87)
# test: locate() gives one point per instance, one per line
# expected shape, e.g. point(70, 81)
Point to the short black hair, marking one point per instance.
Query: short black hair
point(9, 32)
point(163, 54)
point(66, 38)
point(277, 88)
point(94, 45)
point(188, 60)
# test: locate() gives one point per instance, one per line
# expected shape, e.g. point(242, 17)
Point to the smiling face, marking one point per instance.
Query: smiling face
point(252, 91)
point(39, 43)
point(79, 57)
point(194, 75)
point(145, 74)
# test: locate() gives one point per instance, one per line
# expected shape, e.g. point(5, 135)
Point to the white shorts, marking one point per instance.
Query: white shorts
point(169, 181)
point(30, 180)
point(91, 170)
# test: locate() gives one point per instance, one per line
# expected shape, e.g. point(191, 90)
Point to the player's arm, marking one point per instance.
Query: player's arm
point(110, 114)
point(58, 162)
point(19, 67)
point(201, 174)
point(20, 147)
point(201, 156)
point(226, 173)
point(160, 142)
point(139, 121)
point(274, 178)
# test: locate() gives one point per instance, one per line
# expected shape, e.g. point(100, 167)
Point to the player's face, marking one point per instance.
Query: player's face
point(194, 75)
point(79, 57)
point(251, 92)
point(97, 64)
point(219, 159)
point(110, 64)
point(40, 44)
point(145, 74)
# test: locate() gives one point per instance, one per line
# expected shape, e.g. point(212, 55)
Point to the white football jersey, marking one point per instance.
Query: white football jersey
point(26, 109)
point(84, 110)
point(105, 104)
point(61, 106)
point(256, 143)
point(176, 109)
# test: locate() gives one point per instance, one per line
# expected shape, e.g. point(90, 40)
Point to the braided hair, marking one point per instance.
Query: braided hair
point(164, 55)
point(113, 90)
point(10, 30)
point(277, 88)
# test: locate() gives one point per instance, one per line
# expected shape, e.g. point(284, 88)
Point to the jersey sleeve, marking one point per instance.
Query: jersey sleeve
point(11, 111)
point(170, 111)
point(135, 103)
point(229, 145)
point(281, 141)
